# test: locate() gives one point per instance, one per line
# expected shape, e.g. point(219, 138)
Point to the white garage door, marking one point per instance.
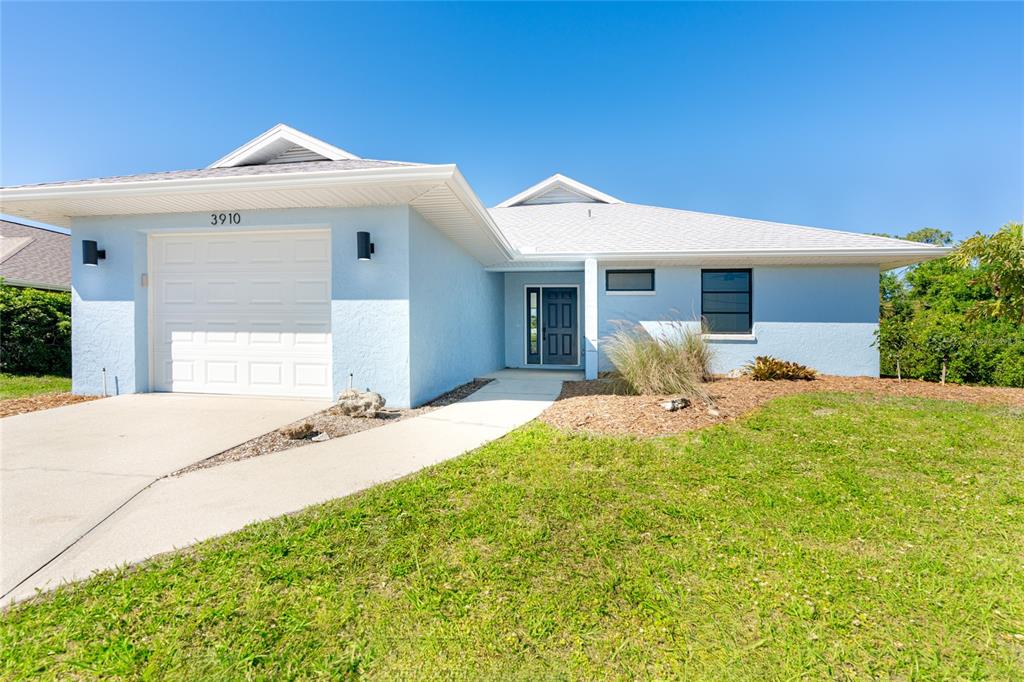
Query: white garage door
point(243, 313)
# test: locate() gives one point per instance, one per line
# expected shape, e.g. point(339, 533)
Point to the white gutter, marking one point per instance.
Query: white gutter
point(359, 176)
point(937, 251)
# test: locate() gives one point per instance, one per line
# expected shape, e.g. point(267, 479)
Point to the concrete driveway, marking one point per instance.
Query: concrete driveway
point(63, 471)
point(177, 511)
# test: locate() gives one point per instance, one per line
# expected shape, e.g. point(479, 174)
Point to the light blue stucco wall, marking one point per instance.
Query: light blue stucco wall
point(456, 311)
point(515, 310)
point(369, 307)
point(108, 312)
point(821, 316)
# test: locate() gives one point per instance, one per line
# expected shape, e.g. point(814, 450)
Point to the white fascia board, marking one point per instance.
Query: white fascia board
point(882, 255)
point(559, 179)
point(275, 134)
point(518, 266)
point(398, 175)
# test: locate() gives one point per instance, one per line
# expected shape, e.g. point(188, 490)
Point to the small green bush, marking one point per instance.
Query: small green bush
point(35, 331)
point(676, 363)
point(767, 368)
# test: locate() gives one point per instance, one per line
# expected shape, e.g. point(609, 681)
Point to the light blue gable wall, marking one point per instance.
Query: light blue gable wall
point(369, 307)
point(515, 309)
point(456, 313)
point(822, 316)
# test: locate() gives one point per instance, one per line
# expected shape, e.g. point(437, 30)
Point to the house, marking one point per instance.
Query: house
point(293, 267)
point(34, 257)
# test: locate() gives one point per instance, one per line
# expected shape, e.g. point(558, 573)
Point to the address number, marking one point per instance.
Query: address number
point(225, 219)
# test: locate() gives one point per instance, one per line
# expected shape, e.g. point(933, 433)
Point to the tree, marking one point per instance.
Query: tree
point(943, 337)
point(999, 263)
point(930, 235)
point(891, 339)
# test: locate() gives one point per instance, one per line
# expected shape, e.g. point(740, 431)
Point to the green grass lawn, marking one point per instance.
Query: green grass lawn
point(17, 386)
point(826, 536)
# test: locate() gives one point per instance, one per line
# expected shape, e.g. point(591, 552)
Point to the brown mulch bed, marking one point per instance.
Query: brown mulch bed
point(333, 424)
point(12, 406)
point(591, 406)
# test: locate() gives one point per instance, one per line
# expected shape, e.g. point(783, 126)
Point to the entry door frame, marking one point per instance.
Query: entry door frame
point(540, 324)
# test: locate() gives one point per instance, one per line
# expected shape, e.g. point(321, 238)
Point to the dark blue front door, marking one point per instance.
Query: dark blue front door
point(560, 326)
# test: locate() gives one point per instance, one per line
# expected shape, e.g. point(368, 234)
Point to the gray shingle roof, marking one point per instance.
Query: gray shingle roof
point(236, 171)
point(39, 257)
point(594, 228)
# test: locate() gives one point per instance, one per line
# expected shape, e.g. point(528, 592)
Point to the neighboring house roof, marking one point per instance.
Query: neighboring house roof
point(34, 256)
point(558, 219)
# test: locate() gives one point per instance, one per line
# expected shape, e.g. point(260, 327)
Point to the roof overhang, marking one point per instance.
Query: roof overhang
point(439, 192)
point(885, 259)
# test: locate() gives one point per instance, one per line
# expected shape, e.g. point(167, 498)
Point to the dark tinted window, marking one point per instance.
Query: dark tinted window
point(725, 301)
point(629, 280)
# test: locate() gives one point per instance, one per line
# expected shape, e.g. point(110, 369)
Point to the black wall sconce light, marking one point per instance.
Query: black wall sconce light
point(364, 247)
point(90, 254)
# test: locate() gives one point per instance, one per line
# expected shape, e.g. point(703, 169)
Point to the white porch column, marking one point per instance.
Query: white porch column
point(590, 297)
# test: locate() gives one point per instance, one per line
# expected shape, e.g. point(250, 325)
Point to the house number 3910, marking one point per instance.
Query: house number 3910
point(225, 219)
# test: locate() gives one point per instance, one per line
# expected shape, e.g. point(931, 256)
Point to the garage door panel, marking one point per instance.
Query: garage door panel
point(242, 313)
point(312, 250)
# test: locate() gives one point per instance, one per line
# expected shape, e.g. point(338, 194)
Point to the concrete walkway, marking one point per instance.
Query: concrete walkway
point(64, 470)
point(175, 512)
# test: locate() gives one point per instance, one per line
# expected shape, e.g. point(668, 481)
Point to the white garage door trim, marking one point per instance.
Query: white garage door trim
point(241, 312)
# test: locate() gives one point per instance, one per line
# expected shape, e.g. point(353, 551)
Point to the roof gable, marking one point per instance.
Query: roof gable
point(558, 189)
point(282, 144)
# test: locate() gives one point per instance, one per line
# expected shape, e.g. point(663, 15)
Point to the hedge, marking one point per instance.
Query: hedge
point(35, 331)
point(974, 351)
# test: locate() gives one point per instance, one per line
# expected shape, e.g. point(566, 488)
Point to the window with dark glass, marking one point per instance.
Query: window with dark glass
point(725, 301)
point(533, 325)
point(629, 280)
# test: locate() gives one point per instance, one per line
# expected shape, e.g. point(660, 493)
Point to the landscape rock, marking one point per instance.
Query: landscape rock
point(353, 403)
point(320, 437)
point(675, 404)
point(300, 431)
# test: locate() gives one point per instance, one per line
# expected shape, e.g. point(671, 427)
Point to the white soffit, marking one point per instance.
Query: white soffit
point(281, 140)
point(559, 189)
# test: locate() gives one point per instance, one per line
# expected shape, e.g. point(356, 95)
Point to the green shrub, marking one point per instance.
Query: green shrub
point(676, 363)
point(975, 351)
point(767, 368)
point(35, 331)
point(1010, 372)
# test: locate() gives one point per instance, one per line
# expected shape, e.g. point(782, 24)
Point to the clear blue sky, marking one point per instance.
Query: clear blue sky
point(866, 117)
